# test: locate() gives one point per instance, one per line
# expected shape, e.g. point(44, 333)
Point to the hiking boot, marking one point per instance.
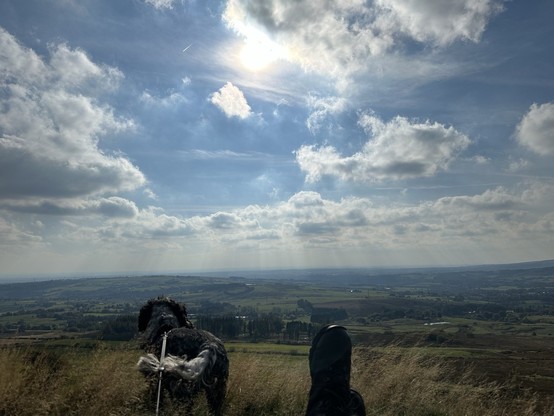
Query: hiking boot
point(330, 364)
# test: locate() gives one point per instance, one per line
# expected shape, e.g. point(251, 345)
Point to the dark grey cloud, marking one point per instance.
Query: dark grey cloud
point(25, 172)
point(113, 207)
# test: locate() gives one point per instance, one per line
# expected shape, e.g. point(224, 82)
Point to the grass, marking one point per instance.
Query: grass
point(398, 381)
point(67, 382)
point(267, 348)
point(393, 381)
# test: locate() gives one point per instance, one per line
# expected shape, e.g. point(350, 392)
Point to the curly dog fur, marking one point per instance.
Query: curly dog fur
point(196, 359)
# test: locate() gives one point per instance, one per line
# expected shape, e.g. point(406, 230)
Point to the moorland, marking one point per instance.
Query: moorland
point(428, 341)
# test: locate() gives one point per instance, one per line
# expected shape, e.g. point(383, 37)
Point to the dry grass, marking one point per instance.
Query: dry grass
point(267, 385)
point(393, 381)
point(34, 382)
point(400, 381)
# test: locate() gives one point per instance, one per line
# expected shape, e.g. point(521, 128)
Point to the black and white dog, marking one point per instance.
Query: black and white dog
point(194, 359)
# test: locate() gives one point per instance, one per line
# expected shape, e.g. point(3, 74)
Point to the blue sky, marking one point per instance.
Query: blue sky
point(182, 135)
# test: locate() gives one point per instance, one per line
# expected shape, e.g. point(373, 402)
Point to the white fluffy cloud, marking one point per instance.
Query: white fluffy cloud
point(536, 129)
point(51, 122)
point(336, 38)
point(231, 101)
point(398, 149)
point(436, 21)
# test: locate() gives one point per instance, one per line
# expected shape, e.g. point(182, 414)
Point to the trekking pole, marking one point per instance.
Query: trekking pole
point(161, 370)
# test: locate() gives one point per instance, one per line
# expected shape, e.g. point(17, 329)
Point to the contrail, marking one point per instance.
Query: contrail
point(184, 50)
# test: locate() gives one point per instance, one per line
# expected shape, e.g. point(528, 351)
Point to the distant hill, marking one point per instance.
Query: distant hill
point(134, 288)
point(333, 273)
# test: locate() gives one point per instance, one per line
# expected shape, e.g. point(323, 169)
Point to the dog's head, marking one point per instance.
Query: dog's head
point(161, 315)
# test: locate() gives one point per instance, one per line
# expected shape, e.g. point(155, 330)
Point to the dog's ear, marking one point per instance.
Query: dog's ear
point(180, 311)
point(144, 316)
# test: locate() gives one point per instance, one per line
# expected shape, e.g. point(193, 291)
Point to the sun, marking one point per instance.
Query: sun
point(259, 52)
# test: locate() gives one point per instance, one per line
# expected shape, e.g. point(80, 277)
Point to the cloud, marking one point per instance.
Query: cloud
point(536, 129)
point(231, 101)
point(399, 149)
point(161, 4)
point(127, 228)
point(437, 22)
point(112, 207)
point(20, 63)
point(337, 38)
point(492, 199)
point(322, 109)
point(307, 219)
point(356, 228)
point(200, 154)
point(26, 173)
point(518, 165)
point(12, 238)
point(304, 214)
point(149, 223)
point(51, 124)
point(72, 68)
point(171, 100)
point(228, 221)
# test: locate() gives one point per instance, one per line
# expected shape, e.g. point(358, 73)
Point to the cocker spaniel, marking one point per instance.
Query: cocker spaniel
point(194, 359)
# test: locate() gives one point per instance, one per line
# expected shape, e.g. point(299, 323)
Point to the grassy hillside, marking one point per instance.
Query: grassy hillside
point(263, 381)
point(421, 334)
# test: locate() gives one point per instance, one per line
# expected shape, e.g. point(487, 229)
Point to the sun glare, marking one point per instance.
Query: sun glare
point(259, 52)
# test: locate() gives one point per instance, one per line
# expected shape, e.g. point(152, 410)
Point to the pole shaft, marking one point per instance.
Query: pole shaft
point(162, 356)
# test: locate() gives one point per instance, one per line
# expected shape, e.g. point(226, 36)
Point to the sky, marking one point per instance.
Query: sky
point(203, 135)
